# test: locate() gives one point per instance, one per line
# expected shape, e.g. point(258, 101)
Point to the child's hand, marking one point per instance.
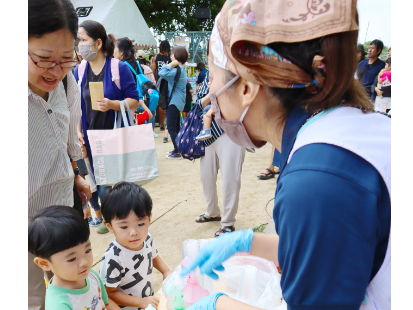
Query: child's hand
point(209, 84)
point(210, 113)
point(154, 301)
point(167, 273)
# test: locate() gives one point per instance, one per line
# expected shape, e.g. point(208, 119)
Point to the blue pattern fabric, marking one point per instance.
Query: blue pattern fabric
point(216, 131)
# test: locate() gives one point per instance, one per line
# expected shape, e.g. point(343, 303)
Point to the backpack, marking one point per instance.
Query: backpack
point(163, 90)
point(145, 87)
point(189, 147)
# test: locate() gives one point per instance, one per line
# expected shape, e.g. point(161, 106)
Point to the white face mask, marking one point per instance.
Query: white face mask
point(85, 50)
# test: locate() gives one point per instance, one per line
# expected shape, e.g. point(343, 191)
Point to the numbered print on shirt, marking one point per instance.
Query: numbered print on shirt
point(129, 271)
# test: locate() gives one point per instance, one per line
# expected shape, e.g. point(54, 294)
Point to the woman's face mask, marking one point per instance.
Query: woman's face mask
point(86, 52)
point(234, 129)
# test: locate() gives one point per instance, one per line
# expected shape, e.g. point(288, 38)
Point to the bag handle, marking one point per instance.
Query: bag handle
point(122, 115)
point(177, 76)
point(139, 67)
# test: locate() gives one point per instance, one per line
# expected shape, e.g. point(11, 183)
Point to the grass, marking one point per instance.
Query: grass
point(260, 228)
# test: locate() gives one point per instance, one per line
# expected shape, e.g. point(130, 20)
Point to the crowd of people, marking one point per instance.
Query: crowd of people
point(296, 96)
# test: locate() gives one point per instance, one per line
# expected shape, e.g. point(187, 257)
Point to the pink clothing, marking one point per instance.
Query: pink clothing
point(149, 73)
point(384, 76)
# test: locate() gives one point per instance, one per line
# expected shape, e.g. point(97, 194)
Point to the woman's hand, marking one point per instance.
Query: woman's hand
point(83, 187)
point(174, 63)
point(378, 91)
point(214, 253)
point(104, 104)
point(80, 137)
point(206, 303)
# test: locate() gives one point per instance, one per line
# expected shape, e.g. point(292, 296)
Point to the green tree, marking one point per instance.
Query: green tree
point(177, 15)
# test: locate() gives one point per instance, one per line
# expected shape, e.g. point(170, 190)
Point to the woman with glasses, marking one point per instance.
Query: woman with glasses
point(53, 115)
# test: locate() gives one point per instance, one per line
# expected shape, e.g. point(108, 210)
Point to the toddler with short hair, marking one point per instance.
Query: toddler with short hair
point(126, 267)
point(59, 238)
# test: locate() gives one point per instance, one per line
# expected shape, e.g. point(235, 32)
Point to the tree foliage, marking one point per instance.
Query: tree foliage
point(177, 15)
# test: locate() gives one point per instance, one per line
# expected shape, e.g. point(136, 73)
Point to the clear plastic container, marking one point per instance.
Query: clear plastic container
point(190, 248)
point(248, 286)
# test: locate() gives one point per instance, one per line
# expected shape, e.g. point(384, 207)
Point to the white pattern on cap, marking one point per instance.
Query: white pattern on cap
point(217, 47)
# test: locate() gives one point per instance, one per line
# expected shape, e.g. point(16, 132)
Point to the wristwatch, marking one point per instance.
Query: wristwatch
point(76, 171)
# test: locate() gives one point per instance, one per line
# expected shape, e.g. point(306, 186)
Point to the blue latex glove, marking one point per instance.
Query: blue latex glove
point(214, 253)
point(206, 303)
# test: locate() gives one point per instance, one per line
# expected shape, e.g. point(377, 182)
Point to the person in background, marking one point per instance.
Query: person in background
point(151, 58)
point(383, 89)
point(53, 115)
point(361, 55)
point(272, 169)
point(125, 51)
point(179, 56)
point(388, 53)
point(97, 48)
point(141, 56)
point(368, 69)
point(162, 59)
point(202, 72)
point(188, 101)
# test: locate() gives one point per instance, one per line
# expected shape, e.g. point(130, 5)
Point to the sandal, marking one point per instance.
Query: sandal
point(203, 219)
point(224, 230)
point(269, 175)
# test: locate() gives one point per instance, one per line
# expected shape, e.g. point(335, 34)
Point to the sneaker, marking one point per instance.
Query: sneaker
point(102, 229)
point(89, 219)
point(96, 222)
point(155, 134)
point(204, 134)
point(250, 149)
point(165, 140)
point(174, 156)
point(170, 153)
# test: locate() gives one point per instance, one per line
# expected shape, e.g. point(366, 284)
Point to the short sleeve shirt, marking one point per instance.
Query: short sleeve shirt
point(129, 271)
point(161, 60)
point(92, 296)
point(141, 117)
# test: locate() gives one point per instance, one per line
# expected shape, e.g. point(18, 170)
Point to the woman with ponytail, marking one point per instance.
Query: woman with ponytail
point(97, 48)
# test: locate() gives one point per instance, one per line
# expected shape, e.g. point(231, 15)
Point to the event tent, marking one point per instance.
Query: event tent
point(120, 17)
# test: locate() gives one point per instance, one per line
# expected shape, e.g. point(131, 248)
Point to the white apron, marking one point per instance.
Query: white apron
point(368, 136)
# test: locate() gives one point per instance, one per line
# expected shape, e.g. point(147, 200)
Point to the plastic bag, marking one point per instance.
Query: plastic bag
point(268, 281)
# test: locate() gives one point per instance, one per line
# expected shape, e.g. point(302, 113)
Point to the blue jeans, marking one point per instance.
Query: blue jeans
point(101, 190)
point(94, 202)
point(152, 120)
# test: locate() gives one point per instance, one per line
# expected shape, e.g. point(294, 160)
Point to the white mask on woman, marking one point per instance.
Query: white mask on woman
point(86, 52)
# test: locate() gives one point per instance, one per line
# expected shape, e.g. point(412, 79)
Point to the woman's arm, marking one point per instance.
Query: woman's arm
point(265, 246)
point(226, 303)
point(168, 73)
point(154, 66)
point(73, 102)
point(107, 104)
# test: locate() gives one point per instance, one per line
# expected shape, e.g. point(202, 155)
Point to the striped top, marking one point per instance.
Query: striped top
point(216, 131)
point(52, 136)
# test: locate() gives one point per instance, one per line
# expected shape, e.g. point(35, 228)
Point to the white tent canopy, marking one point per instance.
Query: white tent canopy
point(120, 17)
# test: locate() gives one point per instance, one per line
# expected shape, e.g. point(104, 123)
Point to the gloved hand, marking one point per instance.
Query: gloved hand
point(206, 303)
point(214, 253)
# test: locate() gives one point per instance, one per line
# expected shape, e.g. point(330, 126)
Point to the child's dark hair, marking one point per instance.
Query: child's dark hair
point(388, 61)
point(122, 198)
point(95, 30)
point(55, 229)
point(46, 16)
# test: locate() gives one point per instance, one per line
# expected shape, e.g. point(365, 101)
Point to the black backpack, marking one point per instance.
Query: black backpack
point(163, 90)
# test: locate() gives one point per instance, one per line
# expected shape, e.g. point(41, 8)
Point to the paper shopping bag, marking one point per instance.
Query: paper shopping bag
point(124, 154)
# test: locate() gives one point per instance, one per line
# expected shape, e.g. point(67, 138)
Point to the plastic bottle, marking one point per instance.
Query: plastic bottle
point(150, 307)
point(193, 290)
point(179, 302)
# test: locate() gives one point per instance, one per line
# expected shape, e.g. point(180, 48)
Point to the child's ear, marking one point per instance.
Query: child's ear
point(108, 226)
point(150, 218)
point(43, 263)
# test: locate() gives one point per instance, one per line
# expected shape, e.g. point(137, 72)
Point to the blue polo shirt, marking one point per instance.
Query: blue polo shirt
point(332, 215)
point(368, 78)
point(201, 76)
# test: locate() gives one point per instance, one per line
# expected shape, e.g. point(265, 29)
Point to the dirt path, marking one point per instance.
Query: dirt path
point(178, 198)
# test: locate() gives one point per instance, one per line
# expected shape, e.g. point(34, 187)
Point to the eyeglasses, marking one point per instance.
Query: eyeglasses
point(50, 64)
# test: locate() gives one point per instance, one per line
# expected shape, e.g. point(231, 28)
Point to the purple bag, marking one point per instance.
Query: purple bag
point(189, 147)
